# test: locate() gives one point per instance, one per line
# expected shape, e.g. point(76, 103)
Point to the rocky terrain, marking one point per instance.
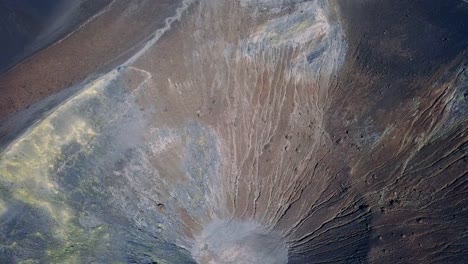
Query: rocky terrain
point(246, 131)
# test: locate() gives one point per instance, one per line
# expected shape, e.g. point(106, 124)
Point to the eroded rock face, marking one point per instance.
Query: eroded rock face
point(247, 132)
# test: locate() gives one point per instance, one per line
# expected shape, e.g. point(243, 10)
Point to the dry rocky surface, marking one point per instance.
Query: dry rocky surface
point(241, 131)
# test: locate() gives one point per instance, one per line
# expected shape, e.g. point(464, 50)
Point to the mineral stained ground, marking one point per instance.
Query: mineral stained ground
point(234, 131)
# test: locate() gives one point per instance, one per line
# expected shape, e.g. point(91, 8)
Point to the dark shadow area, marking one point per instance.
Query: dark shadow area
point(27, 26)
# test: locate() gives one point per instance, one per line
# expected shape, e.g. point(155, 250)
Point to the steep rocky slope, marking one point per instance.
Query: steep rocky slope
point(242, 132)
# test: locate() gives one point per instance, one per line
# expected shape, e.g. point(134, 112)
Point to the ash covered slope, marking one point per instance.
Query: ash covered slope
point(255, 132)
point(28, 26)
